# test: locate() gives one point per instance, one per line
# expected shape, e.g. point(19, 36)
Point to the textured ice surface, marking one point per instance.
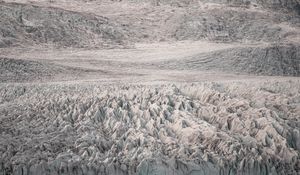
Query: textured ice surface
point(203, 128)
point(81, 125)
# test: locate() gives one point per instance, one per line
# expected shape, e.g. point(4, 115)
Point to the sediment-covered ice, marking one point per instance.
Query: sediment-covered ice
point(26, 24)
point(24, 70)
point(275, 59)
point(203, 128)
